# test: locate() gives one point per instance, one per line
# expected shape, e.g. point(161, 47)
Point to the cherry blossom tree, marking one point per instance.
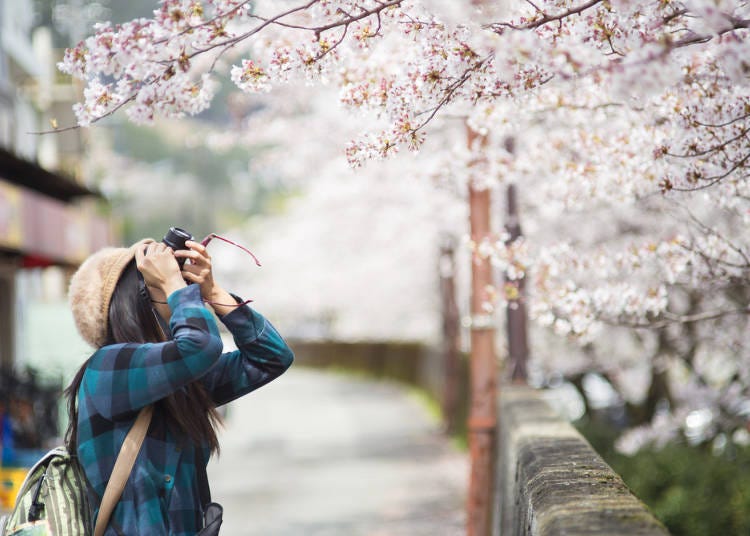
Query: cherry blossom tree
point(625, 124)
point(352, 253)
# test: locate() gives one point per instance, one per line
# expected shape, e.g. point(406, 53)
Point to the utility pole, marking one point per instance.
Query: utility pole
point(482, 425)
point(451, 334)
point(517, 330)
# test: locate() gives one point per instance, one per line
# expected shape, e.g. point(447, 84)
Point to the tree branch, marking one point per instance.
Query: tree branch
point(668, 319)
point(499, 27)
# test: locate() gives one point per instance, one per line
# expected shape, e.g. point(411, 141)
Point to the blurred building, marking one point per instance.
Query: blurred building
point(49, 216)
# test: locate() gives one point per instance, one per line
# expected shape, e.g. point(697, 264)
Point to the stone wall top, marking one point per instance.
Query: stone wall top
point(552, 482)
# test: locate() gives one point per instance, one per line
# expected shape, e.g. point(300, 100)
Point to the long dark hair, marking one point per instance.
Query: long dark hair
point(131, 319)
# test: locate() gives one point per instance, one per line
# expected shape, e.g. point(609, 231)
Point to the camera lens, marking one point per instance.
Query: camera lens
point(176, 238)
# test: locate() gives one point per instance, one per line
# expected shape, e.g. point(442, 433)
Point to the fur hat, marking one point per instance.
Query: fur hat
point(91, 289)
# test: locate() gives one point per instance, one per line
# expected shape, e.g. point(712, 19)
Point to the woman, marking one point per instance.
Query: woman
point(157, 343)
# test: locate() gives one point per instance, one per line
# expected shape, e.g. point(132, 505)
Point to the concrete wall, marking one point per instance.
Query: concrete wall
point(551, 482)
point(411, 363)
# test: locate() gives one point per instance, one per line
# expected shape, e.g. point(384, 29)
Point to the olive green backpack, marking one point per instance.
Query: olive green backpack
point(53, 499)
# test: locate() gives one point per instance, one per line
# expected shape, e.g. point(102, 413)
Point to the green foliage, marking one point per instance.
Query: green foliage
point(199, 188)
point(150, 145)
point(692, 490)
point(132, 9)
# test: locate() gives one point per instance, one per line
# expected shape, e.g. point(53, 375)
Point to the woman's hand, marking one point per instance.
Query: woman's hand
point(159, 268)
point(199, 271)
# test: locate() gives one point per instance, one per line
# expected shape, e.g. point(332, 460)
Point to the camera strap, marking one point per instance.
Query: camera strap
point(205, 242)
point(211, 236)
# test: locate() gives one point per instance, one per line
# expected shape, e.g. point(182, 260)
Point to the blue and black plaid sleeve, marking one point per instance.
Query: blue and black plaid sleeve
point(261, 355)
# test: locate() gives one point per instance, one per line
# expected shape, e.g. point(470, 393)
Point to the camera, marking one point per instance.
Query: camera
point(175, 239)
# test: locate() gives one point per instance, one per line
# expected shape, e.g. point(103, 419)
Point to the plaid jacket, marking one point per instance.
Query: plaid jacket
point(162, 494)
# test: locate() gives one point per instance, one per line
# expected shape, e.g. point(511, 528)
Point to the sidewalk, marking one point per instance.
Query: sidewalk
point(324, 454)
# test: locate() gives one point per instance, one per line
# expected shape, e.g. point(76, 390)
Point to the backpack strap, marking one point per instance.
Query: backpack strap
point(123, 466)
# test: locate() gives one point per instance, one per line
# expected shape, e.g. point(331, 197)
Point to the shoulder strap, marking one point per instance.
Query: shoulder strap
point(203, 487)
point(123, 466)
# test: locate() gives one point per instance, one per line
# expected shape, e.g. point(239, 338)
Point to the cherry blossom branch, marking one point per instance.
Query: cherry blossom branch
point(232, 41)
point(318, 30)
point(674, 15)
point(669, 319)
point(498, 27)
point(449, 91)
point(720, 147)
point(332, 47)
point(578, 107)
point(383, 5)
point(192, 27)
point(694, 176)
point(707, 230)
point(712, 260)
point(721, 125)
point(735, 24)
point(117, 107)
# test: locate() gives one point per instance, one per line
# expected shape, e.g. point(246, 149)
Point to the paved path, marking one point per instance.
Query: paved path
point(323, 454)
